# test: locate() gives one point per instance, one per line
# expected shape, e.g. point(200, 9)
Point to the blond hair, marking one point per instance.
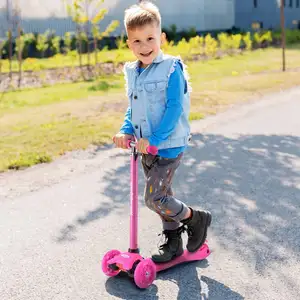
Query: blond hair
point(142, 14)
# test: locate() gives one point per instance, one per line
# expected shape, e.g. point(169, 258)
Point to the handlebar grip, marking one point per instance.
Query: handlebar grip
point(150, 149)
point(130, 144)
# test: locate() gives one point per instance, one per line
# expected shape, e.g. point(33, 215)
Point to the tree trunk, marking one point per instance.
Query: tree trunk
point(87, 31)
point(96, 51)
point(283, 38)
point(88, 52)
point(20, 50)
point(1, 45)
point(10, 52)
point(79, 49)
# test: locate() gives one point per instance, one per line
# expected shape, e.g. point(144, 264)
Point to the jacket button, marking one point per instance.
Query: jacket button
point(135, 97)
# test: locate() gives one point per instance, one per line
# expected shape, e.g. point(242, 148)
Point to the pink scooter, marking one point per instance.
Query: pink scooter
point(143, 270)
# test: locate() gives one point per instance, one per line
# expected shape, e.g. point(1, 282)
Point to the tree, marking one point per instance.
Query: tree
point(55, 43)
point(97, 35)
point(9, 36)
point(74, 11)
point(20, 43)
point(42, 42)
point(67, 42)
point(121, 44)
point(1, 53)
point(19, 50)
point(85, 13)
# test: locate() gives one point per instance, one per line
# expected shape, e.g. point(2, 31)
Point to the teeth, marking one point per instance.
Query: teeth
point(146, 54)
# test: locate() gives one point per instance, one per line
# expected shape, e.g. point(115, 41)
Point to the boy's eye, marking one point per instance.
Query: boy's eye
point(150, 38)
point(136, 41)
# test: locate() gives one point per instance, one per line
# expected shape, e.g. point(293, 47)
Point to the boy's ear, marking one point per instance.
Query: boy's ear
point(128, 44)
point(163, 37)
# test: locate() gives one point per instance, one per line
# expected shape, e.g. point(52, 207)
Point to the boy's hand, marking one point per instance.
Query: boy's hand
point(121, 140)
point(142, 145)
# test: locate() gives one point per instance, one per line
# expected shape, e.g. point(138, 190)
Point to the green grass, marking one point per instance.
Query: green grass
point(33, 141)
point(196, 116)
point(26, 99)
point(28, 159)
point(40, 124)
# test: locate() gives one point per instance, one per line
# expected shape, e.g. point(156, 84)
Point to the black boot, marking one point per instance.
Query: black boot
point(171, 249)
point(197, 226)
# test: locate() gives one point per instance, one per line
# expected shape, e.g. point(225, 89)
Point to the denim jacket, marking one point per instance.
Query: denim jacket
point(147, 99)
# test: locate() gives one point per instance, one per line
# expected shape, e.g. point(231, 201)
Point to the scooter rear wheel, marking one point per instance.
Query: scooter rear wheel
point(105, 267)
point(145, 273)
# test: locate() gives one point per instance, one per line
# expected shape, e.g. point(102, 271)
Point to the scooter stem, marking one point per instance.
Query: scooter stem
point(134, 202)
point(134, 194)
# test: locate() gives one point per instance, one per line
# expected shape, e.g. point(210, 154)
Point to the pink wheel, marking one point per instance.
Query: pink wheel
point(145, 273)
point(105, 268)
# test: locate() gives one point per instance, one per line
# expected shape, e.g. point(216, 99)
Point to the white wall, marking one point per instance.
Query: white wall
point(202, 14)
point(219, 14)
point(48, 8)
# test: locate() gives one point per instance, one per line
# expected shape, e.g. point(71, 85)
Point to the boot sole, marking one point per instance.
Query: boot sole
point(207, 224)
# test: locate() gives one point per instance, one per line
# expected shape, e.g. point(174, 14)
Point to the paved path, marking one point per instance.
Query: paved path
point(57, 220)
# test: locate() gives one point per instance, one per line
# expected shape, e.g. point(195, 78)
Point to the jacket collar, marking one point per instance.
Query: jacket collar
point(158, 59)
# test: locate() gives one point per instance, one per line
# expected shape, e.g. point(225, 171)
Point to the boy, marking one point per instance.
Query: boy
point(157, 115)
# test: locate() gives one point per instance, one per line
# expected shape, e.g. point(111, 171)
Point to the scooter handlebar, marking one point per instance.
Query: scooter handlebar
point(150, 149)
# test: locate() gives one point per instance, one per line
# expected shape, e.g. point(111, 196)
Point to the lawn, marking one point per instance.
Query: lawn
point(39, 125)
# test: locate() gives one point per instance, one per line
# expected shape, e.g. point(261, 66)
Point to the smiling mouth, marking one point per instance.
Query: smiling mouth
point(146, 54)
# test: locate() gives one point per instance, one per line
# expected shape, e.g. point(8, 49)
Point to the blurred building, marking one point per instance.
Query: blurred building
point(38, 15)
point(204, 15)
point(266, 13)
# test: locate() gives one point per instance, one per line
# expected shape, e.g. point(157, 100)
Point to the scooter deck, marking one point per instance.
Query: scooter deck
point(201, 254)
point(125, 261)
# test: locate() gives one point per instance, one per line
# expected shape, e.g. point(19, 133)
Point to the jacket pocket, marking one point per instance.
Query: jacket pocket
point(153, 86)
point(156, 91)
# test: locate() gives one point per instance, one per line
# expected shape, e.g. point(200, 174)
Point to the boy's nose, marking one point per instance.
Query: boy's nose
point(144, 46)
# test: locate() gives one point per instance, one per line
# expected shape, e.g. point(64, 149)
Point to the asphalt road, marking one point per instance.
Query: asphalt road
point(57, 220)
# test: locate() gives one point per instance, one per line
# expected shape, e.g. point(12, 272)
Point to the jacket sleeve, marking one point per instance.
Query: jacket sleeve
point(127, 128)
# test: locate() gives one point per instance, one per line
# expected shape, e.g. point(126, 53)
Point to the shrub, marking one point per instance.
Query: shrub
point(225, 42)
point(102, 86)
point(183, 48)
point(211, 46)
point(262, 39)
point(197, 45)
point(247, 41)
point(292, 36)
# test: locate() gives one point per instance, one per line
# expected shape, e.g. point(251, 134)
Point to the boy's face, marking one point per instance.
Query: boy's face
point(145, 42)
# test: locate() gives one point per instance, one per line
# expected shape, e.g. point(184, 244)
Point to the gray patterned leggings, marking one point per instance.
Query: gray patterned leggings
point(158, 193)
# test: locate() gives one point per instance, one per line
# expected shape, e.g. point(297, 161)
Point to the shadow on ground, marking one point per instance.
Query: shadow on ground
point(185, 277)
point(250, 184)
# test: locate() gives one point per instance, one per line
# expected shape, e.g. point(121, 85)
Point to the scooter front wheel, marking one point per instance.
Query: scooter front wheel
point(145, 273)
point(105, 267)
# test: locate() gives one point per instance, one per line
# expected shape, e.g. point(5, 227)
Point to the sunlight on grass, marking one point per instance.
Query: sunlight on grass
point(26, 144)
point(11, 101)
point(38, 125)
